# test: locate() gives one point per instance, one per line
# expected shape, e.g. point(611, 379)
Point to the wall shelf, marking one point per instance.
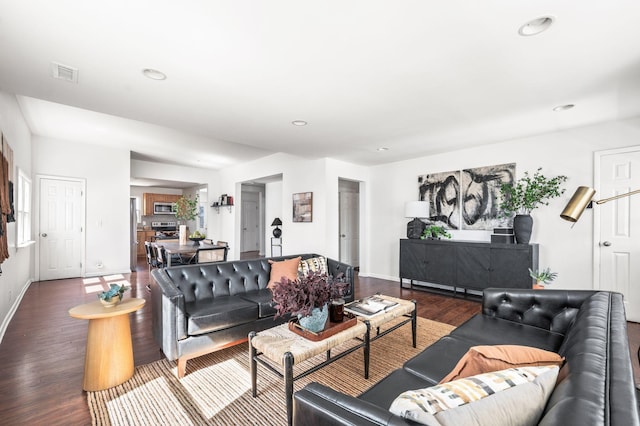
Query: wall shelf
point(217, 207)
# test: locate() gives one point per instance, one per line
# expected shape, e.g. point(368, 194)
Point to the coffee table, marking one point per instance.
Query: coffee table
point(285, 348)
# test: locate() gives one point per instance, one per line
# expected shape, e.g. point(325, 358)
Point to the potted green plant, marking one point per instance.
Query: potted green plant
point(435, 232)
point(113, 296)
point(542, 277)
point(186, 208)
point(307, 297)
point(524, 196)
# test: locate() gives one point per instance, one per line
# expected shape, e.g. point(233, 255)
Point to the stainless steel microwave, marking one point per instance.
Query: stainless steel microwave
point(163, 208)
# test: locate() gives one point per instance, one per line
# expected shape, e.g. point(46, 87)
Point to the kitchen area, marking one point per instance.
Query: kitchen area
point(153, 217)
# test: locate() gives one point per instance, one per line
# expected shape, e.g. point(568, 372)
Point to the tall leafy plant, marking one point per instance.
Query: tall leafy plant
point(530, 192)
point(186, 208)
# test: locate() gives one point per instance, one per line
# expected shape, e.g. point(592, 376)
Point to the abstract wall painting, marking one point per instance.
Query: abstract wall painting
point(442, 191)
point(303, 207)
point(481, 196)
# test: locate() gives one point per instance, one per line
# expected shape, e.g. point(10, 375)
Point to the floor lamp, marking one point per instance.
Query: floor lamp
point(581, 200)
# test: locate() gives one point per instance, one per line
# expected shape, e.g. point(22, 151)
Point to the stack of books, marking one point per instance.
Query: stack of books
point(370, 306)
point(503, 235)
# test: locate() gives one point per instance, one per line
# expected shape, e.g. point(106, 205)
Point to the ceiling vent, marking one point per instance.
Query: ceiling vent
point(64, 72)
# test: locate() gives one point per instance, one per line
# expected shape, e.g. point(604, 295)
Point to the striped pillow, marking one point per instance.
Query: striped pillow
point(422, 404)
point(314, 264)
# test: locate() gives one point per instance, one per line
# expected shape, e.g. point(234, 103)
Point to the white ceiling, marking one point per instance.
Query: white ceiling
point(417, 77)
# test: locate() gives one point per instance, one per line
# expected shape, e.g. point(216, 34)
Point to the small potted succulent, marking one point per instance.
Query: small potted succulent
point(542, 277)
point(113, 296)
point(434, 232)
point(307, 297)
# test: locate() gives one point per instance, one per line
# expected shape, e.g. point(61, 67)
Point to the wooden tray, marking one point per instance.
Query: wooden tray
point(330, 328)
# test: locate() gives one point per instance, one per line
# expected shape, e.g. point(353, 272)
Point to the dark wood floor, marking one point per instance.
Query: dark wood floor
point(42, 353)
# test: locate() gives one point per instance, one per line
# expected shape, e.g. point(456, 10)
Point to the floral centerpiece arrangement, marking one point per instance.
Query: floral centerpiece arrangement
point(307, 296)
point(113, 296)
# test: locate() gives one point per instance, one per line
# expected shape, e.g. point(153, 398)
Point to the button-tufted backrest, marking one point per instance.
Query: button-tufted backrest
point(553, 310)
point(207, 280)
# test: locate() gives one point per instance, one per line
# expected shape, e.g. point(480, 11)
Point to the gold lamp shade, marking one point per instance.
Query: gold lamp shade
point(576, 205)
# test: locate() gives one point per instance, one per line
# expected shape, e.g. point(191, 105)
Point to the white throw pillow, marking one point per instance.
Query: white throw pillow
point(515, 396)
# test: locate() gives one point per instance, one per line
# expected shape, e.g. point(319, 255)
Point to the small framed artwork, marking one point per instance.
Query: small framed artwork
point(303, 207)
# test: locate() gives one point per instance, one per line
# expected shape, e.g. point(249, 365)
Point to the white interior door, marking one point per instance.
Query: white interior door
point(619, 241)
point(60, 231)
point(349, 228)
point(250, 225)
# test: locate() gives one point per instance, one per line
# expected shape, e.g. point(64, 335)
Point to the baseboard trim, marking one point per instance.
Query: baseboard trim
point(12, 311)
point(379, 276)
point(103, 273)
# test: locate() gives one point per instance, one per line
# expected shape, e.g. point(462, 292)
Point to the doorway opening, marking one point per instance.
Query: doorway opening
point(349, 222)
point(252, 220)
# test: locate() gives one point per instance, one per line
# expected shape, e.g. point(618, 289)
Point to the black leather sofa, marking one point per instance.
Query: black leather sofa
point(587, 328)
point(198, 309)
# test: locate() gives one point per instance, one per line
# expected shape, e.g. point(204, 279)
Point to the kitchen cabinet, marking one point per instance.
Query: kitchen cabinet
point(143, 236)
point(467, 264)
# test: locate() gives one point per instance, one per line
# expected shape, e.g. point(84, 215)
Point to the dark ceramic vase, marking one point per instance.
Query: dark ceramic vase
point(522, 226)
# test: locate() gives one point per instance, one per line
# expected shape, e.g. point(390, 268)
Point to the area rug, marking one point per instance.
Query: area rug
point(217, 390)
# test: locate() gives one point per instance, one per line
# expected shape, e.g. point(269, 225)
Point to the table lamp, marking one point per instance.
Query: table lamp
point(416, 210)
point(581, 200)
point(277, 232)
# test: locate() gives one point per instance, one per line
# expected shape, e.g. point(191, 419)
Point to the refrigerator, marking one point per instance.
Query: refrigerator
point(133, 234)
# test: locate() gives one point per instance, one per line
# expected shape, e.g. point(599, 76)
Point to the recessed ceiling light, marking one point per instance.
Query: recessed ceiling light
point(299, 123)
point(154, 74)
point(536, 26)
point(563, 107)
point(382, 148)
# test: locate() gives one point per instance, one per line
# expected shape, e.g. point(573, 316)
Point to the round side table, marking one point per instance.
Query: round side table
point(109, 357)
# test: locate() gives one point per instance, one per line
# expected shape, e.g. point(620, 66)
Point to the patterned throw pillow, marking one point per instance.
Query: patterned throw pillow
point(424, 405)
point(314, 264)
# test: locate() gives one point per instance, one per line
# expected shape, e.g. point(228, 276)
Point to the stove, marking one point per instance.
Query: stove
point(165, 229)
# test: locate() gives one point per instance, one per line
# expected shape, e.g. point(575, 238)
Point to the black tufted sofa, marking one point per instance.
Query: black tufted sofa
point(587, 328)
point(198, 309)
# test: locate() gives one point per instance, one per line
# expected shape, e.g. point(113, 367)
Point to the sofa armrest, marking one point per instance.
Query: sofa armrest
point(316, 404)
point(335, 268)
point(168, 313)
point(552, 310)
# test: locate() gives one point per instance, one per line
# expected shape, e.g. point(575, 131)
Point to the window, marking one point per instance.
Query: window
point(23, 210)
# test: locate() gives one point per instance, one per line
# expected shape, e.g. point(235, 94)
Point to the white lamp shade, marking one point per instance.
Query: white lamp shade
point(416, 209)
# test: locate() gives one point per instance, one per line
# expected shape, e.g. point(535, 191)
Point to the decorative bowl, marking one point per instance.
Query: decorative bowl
point(111, 302)
point(196, 240)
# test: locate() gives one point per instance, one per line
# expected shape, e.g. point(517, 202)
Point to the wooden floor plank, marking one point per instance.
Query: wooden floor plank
point(42, 353)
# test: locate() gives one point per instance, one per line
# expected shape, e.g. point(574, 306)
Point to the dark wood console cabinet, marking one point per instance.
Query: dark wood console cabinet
point(467, 264)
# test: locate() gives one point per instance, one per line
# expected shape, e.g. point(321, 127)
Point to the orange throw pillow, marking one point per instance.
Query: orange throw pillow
point(485, 359)
point(286, 268)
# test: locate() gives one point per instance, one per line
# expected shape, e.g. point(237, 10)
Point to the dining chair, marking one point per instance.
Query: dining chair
point(152, 261)
point(211, 254)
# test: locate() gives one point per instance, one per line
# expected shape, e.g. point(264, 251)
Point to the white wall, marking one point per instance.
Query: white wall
point(107, 197)
point(566, 250)
point(319, 176)
point(18, 269)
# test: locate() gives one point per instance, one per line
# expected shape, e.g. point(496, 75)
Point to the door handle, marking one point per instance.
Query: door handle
point(343, 236)
point(606, 243)
point(44, 234)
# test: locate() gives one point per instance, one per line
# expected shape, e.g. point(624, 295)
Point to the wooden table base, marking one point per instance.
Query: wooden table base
point(109, 356)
